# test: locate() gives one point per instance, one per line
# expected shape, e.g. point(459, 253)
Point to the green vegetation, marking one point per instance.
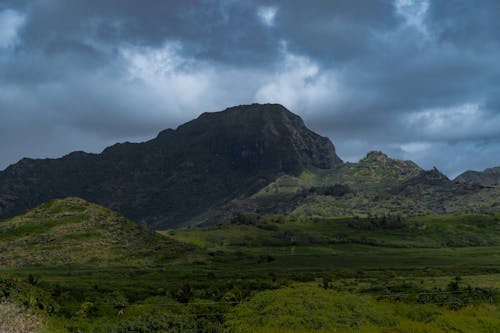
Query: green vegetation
point(376, 185)
point(327, 235)
point(94, 271)
point(312, 309)
point(73, 231)
point(375, 173)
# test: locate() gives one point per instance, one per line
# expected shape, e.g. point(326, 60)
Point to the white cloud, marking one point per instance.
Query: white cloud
point(452, 158)
point(415, 147)
point(299, 84)
point(10, 23)
point(414, 13)
point(454, 123)
point(267, 15)
point(183, 87)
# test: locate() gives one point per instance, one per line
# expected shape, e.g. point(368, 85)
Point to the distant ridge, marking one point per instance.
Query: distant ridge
point(377, 185)
point(488, 177)
point(181, 173)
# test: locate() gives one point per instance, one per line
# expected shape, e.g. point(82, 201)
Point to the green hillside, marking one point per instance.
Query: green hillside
point(375, 172)
point(375, 186)
point(74, 231)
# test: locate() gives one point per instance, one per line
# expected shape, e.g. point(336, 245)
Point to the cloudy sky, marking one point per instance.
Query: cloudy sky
point(417, 79)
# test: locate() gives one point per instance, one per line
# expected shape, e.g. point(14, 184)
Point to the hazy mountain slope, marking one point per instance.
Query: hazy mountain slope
point(488, 177)
point(179, 174)
point(74, 231)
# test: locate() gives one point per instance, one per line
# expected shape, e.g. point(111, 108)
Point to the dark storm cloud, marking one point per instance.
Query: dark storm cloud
point(219, 30)
point(415, 78)
point(334, 31)
point(465, 23)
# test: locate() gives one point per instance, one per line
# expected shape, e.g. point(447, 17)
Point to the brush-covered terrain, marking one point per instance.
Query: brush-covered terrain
point(74, 231)
point(259, 273)
point(376, 185)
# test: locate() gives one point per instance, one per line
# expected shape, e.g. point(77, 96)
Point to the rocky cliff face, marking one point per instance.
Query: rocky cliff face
point(181, 173)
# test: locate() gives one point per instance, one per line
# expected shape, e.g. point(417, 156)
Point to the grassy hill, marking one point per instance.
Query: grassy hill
point(74, 231)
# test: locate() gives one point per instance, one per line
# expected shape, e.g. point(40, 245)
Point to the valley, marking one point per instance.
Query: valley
point(428, 273)
point(244, 221)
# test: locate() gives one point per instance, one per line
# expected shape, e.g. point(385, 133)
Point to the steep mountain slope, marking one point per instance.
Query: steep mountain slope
point(488, 177)
point(74, 231)
point(181, 173)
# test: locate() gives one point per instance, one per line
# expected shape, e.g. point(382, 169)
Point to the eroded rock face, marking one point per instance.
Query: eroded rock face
point(181, 173)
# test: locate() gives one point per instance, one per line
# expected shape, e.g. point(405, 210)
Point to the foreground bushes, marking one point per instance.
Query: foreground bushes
point(313, 309)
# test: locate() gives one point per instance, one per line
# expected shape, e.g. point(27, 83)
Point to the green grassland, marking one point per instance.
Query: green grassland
point(94, 271)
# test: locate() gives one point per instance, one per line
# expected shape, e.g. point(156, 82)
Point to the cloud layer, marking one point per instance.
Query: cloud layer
point(415, 78)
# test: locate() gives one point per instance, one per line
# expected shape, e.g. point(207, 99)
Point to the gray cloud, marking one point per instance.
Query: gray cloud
point(415, 78)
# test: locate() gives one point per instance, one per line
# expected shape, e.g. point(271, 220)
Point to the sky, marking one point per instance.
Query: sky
point(416, 79)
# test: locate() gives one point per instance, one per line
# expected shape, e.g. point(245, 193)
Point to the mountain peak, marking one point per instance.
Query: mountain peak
point(376, 155)
point(435, 174)
point(263, 133)
point(255, 110)
point(380, 159)
point(164, 182)
point(251, 115)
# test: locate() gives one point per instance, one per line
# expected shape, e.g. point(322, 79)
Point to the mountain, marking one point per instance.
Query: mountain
point(339, 190)
point(377, 185)
point(376, 171)
point(74, 231)
point(181, 173)
point(488, 177)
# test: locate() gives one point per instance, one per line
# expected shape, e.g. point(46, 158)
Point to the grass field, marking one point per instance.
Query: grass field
point(262, 274)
